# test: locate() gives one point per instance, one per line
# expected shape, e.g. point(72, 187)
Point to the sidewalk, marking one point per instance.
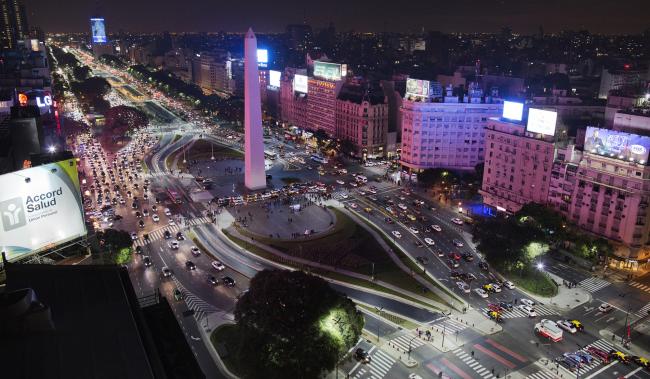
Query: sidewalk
point(566, 298)
point(205, 326)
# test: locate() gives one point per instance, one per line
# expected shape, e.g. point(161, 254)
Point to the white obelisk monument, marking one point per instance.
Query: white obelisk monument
point(254, 176)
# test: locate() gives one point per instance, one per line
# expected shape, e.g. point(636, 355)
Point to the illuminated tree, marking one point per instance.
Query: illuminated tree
point(293, 325)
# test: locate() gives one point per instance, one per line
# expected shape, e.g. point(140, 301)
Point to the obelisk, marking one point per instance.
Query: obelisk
point(254, 176)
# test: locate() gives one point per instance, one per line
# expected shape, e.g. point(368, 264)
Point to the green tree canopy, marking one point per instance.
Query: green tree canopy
point(81, 72)
point(91, 88)
point(293, 325)
point(117, 239)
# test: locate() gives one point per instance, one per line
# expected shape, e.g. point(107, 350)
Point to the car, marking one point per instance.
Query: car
point(146, 260)
point(509, 285)
point(167, 234)
point(145, 212)
point(218, 265)
point(354, 205)
point(138, 249)
point(585, 357)
point(495, 307)
point(506, 305)
point(458, 243)
point(570, 364)
point(167, 212)
point(605, 308)
point(134, 236)
point(212, 280)
point(155, 218)
point(429, 241)
point(455, 256)
point(195, 251)
point(494, 315)
point(414, 376)
point(495, 287)
point(362, 356)
point(600, 354)
point(190, 265)
point(483, 265)
point(440, 253)
point(577, 324)
point(228, 281)
point(488, 288)
point(528, 310)
point(481, 293)
point(457, 221)
point(141, 223)
point(138, 215)
point(174, 245)
point(178, 295)
point(180, 236)
point(166, 272)
point(619, 356)
point(468, 257)
point(389, 220)
point(418, 243)
point(464, 287)
point(527, 302)
point(573, 357)
point(422, 260)
point(437, 228)
point(413, 230)
point(171, 222)
point(452, 263)
point(396, 234)
point(641, 361)
point(566, 325)
point(339, 181)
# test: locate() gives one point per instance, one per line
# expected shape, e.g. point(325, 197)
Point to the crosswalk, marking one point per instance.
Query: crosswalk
point(340, 195)
point(542, 375)
point(473, 363)
point(380, 364)
point(195, 303)
point(643, 311)
point(516, 312)
point(593, 284)
point(585, 368)
point(160, 233)
point(641, 286)
point(403, 342)
point(449, 326)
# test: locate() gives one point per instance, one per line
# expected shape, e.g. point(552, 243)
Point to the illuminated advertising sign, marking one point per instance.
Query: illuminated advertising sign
point(262, 57)
point(541, 121)
point(98, 30)
point(274, 78)
point(512, 110)
point(40, 207)
point(417, 87)
point(300, 83)
point(619, 145)
point(328, 71)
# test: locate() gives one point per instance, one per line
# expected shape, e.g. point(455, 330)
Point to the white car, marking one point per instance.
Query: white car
point(402, 206)
point(134, 236)
point(354, 205)
point(458, 243)
point(463, 286)
point(481, 292)
point(174, 245)
point(509, 285)
point(429, 241)
point(397, 234)
point(528, 302)
point(457, 221)
point(168, 212)
point(528, 310)
point(566, 325)
point(344, 196)
point(166, 272)
point(340, 182)
point(155, 218)
point(605, 308)
point(437, 228)
point(171, 222)
point(195, 251)
point(218, 265)
point(496, 287)
point(413, 230)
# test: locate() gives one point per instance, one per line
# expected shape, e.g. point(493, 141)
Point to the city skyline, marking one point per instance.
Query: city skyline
point(459, 16)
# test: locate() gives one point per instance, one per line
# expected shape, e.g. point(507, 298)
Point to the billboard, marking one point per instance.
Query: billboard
point(512, 110)
point(274, 78)
point(328, 71)
point(619, 145)
point(98, 30)
point(541, 121)
point(262, 57)
point(40, 207)
point(417, 87)
point(300, 83)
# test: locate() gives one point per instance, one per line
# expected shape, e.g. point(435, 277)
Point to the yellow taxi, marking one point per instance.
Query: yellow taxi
point(643, 362)
point(578, 325)
point(411, 217)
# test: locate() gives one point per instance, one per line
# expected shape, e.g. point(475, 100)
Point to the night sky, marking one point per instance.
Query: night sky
point(523, 16)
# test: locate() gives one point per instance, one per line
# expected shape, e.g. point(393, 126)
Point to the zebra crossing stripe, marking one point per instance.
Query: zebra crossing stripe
point(643, 311)
point(380, 364)
point(403, 341)
point(594, 284)
point(640, 286)
point(541, 375)
point(472, 363)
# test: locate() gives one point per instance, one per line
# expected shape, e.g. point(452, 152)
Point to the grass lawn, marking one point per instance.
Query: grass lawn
point(202, 151)
point(226, 336)
point(535, 282)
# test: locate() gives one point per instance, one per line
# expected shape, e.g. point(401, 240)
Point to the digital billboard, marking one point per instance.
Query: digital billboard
point(98, 30)
point(262, 57)
point(274, 78)
point(328, 71)
point(619, 145)
point(513, 110)
point(300, 83)
point(40, 207)
point(541, 121)
point(417, 87)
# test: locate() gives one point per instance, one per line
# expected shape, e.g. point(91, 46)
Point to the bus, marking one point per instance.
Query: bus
point(174, 196)
point(318, 158)
point(270, 155)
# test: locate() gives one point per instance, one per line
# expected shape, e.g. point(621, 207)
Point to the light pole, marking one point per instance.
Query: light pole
point(379, 310)
point(409, 356)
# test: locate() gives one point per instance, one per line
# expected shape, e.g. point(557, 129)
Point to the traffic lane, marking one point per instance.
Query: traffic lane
point(564, 271)
point(376, 326)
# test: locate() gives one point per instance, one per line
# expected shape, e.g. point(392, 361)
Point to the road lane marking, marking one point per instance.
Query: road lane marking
point(601, 370)
point(495, 356)
point(507, 351)
point(455, 369)
point(633, 372)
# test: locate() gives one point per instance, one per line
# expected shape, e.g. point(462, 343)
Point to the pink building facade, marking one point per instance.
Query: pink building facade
point(321, 105)
point(517, 166)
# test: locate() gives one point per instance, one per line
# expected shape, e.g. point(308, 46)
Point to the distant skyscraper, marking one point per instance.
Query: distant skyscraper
point(13, 23)
point(254, 176)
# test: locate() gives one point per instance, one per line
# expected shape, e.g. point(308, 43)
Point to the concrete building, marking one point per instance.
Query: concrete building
point(633, 120)
point(13, 23)
point(212, 71)
point(626, 80)
point(446, 132)
point(517, 166)
point(362, 118)
point(293, 104)
point(254, 175)
point(321, 104)
point(570, 107)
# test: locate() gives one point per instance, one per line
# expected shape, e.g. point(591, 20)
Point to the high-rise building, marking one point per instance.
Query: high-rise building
point(298, 36)
point(13, 23)
point(321, 104)
point(444, 131)
point(293, 104)
point(212, 71)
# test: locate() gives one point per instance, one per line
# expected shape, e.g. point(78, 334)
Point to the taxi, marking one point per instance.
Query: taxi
point(641, 361)
point(578, 325)
point(488, 288)
point(496, 316)
point(620, 356)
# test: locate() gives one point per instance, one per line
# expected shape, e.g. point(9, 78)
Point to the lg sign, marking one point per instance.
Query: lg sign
point(45, 101)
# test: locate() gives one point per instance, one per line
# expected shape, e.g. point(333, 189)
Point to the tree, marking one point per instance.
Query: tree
point(91, 88)
point(293, 325)
point(321, 135)
point(116, 239)
point(125, 117)
point(347, 147)
point(81, 72)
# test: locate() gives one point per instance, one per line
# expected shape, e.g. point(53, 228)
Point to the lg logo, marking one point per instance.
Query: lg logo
point(45, 101)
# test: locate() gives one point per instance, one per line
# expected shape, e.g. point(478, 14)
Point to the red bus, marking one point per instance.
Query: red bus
point(174, 196)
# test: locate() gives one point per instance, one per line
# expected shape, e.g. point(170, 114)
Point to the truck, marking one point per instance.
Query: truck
point(549, 329)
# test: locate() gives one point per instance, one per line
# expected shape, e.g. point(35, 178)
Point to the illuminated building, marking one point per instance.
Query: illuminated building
point(212, 72)
point(321, 105)
point(13, 23)
point(254, 175)
point(293, 104)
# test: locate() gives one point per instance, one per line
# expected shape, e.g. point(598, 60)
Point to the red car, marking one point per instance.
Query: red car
point(495, 307)
point(602, 355)
point(454, 256)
